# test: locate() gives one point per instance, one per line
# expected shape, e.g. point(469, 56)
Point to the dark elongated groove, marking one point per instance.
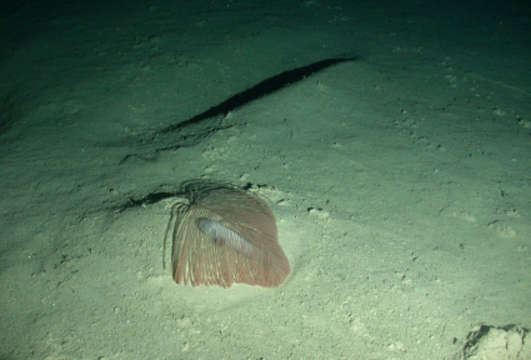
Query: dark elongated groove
point(188, 135)
point(259, 90)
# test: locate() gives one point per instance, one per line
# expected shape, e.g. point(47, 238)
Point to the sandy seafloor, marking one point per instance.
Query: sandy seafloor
point(401, 181)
